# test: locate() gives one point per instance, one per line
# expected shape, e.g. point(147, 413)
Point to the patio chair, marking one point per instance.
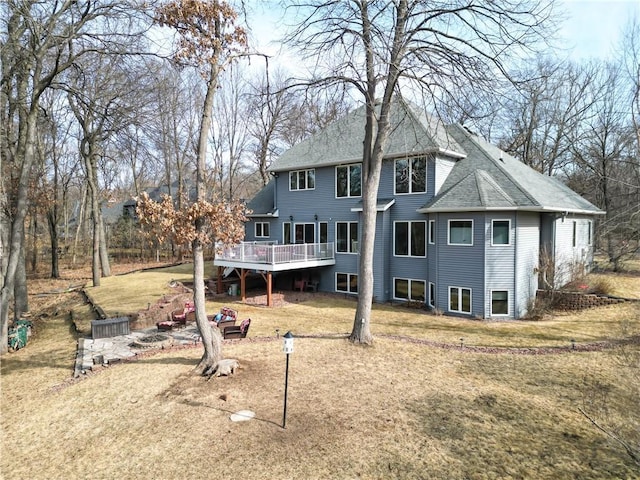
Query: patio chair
point(300, 283)
point(312, 285)
point(237, 331)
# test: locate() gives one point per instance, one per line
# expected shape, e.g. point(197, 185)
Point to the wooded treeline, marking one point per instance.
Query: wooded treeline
point(93, 113)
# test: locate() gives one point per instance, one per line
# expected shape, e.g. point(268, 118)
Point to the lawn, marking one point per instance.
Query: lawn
point(414, 405)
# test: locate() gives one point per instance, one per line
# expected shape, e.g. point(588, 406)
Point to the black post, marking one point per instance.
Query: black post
point(286, 386)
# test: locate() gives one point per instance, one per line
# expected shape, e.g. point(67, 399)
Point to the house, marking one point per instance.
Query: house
point(461, 225)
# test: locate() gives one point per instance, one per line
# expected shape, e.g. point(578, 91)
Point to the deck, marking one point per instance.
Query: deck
point(268, 257)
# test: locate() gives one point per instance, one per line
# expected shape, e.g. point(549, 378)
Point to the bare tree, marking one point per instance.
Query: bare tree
point(100, 95)
point(208, 38)
point(39, 41)
point(230, 134)
point(605, 168)
point(544, 112)
point(435, 46)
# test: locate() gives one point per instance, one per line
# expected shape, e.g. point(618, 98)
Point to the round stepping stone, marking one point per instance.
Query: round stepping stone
point(242, 416)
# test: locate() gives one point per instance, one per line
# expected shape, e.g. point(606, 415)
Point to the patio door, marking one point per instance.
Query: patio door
point(305, 232)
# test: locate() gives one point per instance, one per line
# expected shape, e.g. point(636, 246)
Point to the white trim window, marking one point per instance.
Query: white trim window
point(499, 303)
point(262, 230)
point(302, 179)
point(460, 300)
point(432, 294)
point(408, 289)
point(589, 233)
point(347, 237)
point(349, 181)
point(460, 232)
point(432, 232)
point(501, 232)
point(409, 239)
point(347, 282)
point(574, 234)
point(286, 233)
point(411, 175)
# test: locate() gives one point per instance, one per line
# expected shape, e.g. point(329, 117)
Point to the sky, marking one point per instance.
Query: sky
point(593, 27)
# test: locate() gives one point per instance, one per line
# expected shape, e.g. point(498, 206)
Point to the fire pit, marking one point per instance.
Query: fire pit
point(155, 340)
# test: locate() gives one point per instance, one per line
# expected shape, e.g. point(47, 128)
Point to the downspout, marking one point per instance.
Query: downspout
point(516, 311)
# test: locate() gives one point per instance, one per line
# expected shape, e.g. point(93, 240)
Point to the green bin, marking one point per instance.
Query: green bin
point(18, 336)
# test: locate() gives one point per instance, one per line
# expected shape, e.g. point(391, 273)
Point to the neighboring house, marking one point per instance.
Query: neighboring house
point(461, 225)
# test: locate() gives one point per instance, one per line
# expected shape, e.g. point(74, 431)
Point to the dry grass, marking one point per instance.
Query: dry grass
point(395, 410)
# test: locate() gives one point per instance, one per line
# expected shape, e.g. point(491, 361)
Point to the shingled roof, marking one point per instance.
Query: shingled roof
point(490, 179)
point(413, 133)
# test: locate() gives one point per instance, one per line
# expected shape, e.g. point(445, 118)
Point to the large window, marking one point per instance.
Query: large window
point(262, 229)
point(347, 282)
point(411, 175)
point(407, 289)
point(499, 302)
point(347, 237)
point(501, 232)
point(460, 232)
point(349, 181)
point(410, 239)
point(459, 299)
point(302, 179)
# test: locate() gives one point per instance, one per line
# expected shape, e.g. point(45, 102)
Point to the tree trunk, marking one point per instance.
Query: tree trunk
point(211, 337)
point(104, 252)
point(52, 216)
point(26, 152)
point(211, 341)
point(21, 297)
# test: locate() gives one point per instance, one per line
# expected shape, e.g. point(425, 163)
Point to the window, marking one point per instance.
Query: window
point(262, 229)
point(411, 175)
point(500, 232)
point(573, 238)
point(459, 299)
point(432, 232)
point(304, 232)
point(347, 237)
point(286, 233)
point(499, 302)
point(460, 232)
point(409, 239)
point(324, 237)
point(589, 233)
point(349, 181)
point(302, 179)
point(347, 282)
point(432, 294)
point(408, 289)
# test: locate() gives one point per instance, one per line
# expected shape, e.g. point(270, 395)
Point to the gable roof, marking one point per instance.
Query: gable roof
point(413, 133)
point(263, 203)
point(490, 179)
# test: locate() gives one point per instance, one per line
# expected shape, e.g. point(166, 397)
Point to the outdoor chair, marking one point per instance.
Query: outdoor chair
point(300, 284)
point(237, 331)
point(227, 317)
point(312, 285)
point(178, 317)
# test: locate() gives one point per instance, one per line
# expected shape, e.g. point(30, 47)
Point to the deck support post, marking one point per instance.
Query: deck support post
point(243, 284)
point(269, 284)
point(219, 282)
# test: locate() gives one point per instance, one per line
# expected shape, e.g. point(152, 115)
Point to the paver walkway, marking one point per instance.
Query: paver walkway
point(106, 351)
